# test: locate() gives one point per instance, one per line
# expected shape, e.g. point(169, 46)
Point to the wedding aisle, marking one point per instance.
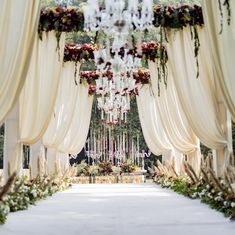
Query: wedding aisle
point(123, 209)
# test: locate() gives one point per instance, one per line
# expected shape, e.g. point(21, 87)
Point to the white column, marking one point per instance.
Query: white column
point(52, 163)
point(37, 159)
point(221, 156)
point(64, 162)
point(12, 147)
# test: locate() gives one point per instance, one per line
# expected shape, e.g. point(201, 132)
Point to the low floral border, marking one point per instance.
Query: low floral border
point(220, 201)
point(25, 193)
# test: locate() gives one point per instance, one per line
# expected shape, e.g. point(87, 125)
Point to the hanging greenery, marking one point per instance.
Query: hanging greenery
point(226, 4)
point(178, 17)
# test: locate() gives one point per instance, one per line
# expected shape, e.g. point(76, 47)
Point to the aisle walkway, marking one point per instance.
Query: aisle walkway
point(120, 209)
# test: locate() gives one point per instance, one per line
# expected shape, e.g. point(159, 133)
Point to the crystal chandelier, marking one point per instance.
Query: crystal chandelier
point(117, 20)
point(114, 108)
point(118, 16)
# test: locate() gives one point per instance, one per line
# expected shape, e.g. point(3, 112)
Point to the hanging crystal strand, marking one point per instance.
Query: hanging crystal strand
point(138, 149)
point(108, 48)
point(139, 43)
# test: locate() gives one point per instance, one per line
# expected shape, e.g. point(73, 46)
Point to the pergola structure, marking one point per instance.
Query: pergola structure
point(43, 107)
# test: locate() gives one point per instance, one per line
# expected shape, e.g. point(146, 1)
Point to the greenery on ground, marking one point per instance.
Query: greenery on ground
point(27, 192)
point(221, 201)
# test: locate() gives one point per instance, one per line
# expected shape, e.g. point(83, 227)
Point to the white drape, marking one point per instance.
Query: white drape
point(197, 96)
point(12, 146)
point(151, 123)
point(18, 25)
point(40, 90)
point(174, 121)
point(222, 48)
point(76, 136)
point(153, 129)
point(64, 108)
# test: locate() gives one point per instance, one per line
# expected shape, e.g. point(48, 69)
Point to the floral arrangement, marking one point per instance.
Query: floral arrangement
point(216, 192)
point(178, 17)
point(141, 76)
point(128, 167)
point(27, 192)
point(105, 168)
point(152, 50)
point(77, 52)
point(91, 76)
point(67, 19)
point(61, 19)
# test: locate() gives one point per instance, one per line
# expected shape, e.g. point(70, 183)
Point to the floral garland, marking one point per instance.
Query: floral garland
point(76, 52)
point(67, 19)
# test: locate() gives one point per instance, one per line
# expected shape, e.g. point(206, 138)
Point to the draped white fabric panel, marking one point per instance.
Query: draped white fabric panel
point(174, 122)
point(76, 136)
point(151, 123)
point(64, 108)
point(222, 48)
point(197, 96)
point(12, 146)
point(40, 90)
point(18, 25)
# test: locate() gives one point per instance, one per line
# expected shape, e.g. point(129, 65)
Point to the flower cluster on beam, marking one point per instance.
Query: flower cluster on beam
point(80, 53)
point(141, 76)
point(67, 19)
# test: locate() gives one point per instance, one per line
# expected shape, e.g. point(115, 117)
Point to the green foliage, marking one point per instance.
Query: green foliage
point(1, 144)
point(25, 193)
point(220, 201)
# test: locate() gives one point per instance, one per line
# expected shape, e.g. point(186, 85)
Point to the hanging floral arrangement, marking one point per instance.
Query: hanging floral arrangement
point(67, 19)
point(61, 19)
point(178, 17)
point(141, 76)
point(77, 52)
point(81, 53)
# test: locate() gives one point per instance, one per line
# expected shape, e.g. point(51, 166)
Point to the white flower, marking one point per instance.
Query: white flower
point(233, 204)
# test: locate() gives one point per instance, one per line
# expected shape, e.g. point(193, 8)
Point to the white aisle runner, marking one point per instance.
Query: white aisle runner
point(125, 209)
